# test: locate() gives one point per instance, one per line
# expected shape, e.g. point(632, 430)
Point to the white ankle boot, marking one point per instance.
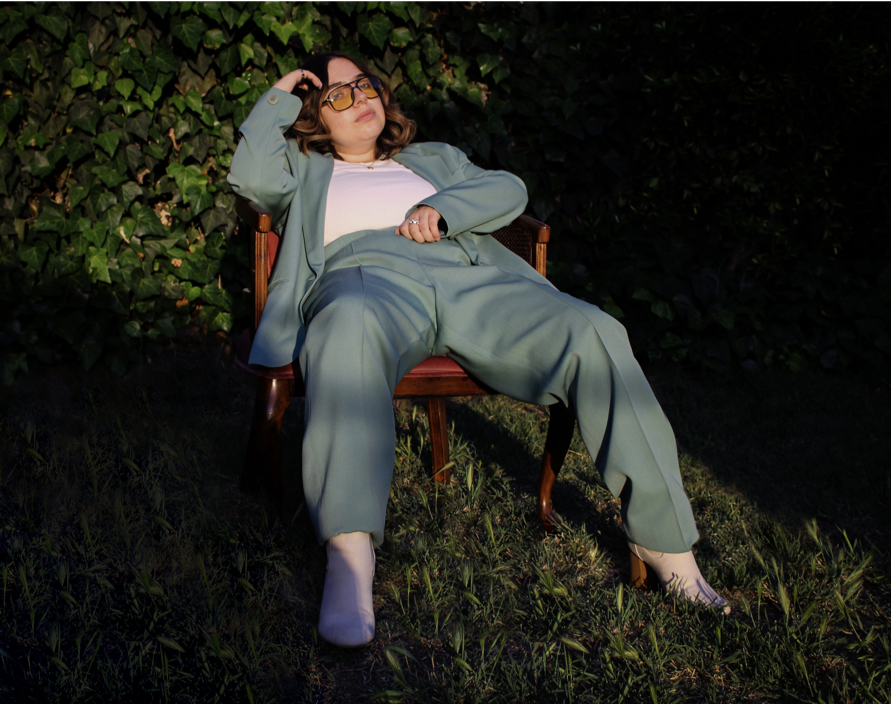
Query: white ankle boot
point(679, 574)
point(347, 615)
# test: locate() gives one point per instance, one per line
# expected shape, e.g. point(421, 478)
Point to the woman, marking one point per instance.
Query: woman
point(384, 262)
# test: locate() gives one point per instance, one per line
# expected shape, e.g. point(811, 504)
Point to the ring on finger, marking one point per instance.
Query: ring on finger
point(413, 221)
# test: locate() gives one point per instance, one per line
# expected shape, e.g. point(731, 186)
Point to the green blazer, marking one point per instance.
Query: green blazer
point(293, 187)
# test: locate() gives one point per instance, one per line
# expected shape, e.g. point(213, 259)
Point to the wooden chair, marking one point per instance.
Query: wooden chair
point(436, 378)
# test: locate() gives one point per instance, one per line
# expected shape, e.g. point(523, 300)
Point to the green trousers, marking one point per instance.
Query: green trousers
point(385, 303)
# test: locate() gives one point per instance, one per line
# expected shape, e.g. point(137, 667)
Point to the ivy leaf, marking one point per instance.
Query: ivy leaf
point(230, 14)
point(96, 234)
point(204, 201)
point(12, 28)
point(34, 254)
point(246, 53)
point(375, 28)
point(55, 24)
point(147, 222)
point(9, 108)
point(76, 148)
point(17, 61)
point(193, 101)
point(171, 290)
point(284, 31)
point(147, 73)
point(52, 218)
point(161, 8)
point(237, 85)
point(139, 124)
point(401, 36)
point(76, 195)
point(85, 114)
point(487, 62)
point(662, 309)
point(415, 12)
point(214, 319)
point(214, 38)
point(189, 179)
point(148, 287)
point(264, 22)
point(124, 86)
point(275, 9)
point(217, 296)
point(166, 60)
point(212, 219)
point(109, 177)
point(228, 60)
point(304, 28)
point(108, 141)
point(199, 268)
point(97, 265)
point(188, 30)
point(35, 54)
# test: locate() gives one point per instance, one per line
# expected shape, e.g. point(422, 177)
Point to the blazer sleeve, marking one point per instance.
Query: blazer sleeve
point(483, 202)
point(263, 168)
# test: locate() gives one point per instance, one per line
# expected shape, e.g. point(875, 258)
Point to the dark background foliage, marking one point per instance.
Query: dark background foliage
point(716, 175)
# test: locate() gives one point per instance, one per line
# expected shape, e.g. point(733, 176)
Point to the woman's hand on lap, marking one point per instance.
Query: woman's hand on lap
point(297, 77)
point(422, 225)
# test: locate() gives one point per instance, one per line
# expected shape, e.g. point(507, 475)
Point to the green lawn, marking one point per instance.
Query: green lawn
point(134, 570)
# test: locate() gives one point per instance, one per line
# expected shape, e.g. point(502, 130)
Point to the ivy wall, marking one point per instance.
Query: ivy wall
point(716, 175)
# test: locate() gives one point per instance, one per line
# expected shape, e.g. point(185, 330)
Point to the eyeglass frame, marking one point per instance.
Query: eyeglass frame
point(353, 86)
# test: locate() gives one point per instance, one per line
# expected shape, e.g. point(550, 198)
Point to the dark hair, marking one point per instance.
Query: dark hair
point(311, 133)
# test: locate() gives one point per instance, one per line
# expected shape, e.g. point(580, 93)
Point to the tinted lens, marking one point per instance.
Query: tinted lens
point(341, 98)
point(369, 85)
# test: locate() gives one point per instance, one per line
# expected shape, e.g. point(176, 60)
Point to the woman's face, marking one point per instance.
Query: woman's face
point(354, 131)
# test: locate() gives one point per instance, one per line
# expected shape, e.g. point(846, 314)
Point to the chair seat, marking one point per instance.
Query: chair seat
point(418, 382)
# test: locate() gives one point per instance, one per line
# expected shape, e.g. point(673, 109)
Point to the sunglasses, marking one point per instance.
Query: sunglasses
point(343, 96)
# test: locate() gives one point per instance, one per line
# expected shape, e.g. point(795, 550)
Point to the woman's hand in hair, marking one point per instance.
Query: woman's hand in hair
point(300, 77)
point(426, 229)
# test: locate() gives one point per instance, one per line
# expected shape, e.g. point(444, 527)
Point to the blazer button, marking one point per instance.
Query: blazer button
point(272, 99)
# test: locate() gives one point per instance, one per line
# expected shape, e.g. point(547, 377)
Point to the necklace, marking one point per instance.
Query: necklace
point(371, 164)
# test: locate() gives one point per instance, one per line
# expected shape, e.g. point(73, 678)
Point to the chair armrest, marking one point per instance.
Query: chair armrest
point(527, 238)
point(540, 232)
point(255, 217)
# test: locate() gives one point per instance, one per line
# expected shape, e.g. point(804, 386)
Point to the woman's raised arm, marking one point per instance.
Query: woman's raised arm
point(263, 168)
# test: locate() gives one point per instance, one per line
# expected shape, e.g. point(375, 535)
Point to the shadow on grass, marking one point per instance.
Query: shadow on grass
point(797, 446)
point(121, 519)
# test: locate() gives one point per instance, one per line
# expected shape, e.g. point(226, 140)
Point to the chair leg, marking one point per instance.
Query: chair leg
point(263, 459)
point(439, 438)
point(560, 429)
point(638, 572)
point(641, 577)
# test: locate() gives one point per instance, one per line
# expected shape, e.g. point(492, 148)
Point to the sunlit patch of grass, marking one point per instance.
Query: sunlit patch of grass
point(132, 569)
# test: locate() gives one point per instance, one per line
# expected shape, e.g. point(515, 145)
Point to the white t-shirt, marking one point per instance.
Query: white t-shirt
point(360, 198)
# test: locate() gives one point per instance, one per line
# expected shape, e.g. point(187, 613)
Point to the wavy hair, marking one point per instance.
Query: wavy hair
point(311, 133)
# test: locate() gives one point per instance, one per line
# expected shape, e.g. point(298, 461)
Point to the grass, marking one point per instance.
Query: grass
point(133, 569)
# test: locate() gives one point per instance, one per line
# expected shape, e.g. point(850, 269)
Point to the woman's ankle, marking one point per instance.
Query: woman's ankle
point(678, 573)
point(346, 617)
